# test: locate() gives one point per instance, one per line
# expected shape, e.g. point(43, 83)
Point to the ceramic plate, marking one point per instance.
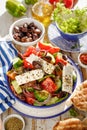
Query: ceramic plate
point(69, 46)
point(47, 111)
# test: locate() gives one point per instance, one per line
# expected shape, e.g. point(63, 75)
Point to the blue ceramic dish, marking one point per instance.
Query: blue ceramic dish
point(70, 36)
point(41, 112)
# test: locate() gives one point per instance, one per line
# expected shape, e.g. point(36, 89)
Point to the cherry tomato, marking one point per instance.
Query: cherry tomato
point(49, 85)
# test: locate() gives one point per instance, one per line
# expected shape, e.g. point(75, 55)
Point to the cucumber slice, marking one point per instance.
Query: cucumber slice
point(53, 100)
point(17, 88)
point(59, 85)
point(41, 95)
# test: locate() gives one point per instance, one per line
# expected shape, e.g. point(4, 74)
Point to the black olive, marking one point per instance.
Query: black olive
point(37, 64)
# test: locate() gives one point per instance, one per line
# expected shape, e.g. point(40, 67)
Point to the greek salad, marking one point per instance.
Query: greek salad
point(41, 76)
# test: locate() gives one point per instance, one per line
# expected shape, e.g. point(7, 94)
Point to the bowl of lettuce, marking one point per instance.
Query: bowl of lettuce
point(71, 24)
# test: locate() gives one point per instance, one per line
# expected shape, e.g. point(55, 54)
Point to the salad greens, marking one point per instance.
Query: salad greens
point(70, 21)
point(73, 112)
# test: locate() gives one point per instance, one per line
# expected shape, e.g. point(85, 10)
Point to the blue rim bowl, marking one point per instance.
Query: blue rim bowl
point(70, 36)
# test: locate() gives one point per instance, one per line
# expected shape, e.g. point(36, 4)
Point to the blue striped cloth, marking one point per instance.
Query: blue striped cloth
point(7, 53)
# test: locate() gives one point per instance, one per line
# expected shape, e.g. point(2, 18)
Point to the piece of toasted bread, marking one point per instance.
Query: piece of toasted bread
point(70, 124)
point(79, 99)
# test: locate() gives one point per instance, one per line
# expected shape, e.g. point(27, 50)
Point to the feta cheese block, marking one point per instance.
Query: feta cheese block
point(67, 78)
point(29, 76)
point(47, 67)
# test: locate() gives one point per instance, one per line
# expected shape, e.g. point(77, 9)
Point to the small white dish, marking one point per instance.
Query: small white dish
point(81, 59)
point(11, 116)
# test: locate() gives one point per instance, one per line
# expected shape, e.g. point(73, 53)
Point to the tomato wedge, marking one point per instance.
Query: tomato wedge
point(27, 64)
point(30, 100)
point(53, 1)
point(49, 85)
point(48, 47)
point(54, 50)
point(68, 3)
point(44, 46)
point(61, 60)
point(29, 51)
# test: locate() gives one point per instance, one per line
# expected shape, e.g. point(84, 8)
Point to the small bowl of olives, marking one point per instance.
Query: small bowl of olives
point(26, 32)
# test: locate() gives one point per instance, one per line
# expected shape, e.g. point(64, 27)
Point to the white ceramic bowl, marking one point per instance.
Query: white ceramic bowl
point(79, 60)
point(21, 22)
point(13, 115)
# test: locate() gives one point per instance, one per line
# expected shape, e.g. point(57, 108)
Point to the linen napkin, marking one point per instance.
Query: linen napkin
point(7, 53)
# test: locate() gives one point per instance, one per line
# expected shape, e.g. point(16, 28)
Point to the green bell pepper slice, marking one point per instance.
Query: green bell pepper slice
point(17, 62)
point(15, 8)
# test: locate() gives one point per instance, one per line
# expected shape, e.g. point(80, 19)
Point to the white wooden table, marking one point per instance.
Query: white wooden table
point(32, 124)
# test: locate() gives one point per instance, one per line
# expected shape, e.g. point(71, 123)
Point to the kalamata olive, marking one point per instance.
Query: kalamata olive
point(48, 58)
point(16, 29)
point(16, 36)
point(23, 39)
point(38, 31)
point(61, 94)
point(64, 57)
point(35, 36)
point(30, 31)
point(32, 28)
point(60, 65)
point(24, 29)
point(25, 25)
point(21, 34)
point(29, 39)
point(37, 64)
point(20, 27)
point(26, 32)
point(29, 34)
point(31, 24)
point(26, 39)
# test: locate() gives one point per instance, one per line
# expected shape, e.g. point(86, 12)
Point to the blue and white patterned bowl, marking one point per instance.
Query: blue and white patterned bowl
point(70, 36)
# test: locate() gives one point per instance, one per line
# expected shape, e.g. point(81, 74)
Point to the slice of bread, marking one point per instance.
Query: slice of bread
point(79, 99)
point(70, 124)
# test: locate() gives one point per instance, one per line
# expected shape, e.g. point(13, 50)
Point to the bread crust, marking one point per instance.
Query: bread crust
point(79, 99)
point(69, 124)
